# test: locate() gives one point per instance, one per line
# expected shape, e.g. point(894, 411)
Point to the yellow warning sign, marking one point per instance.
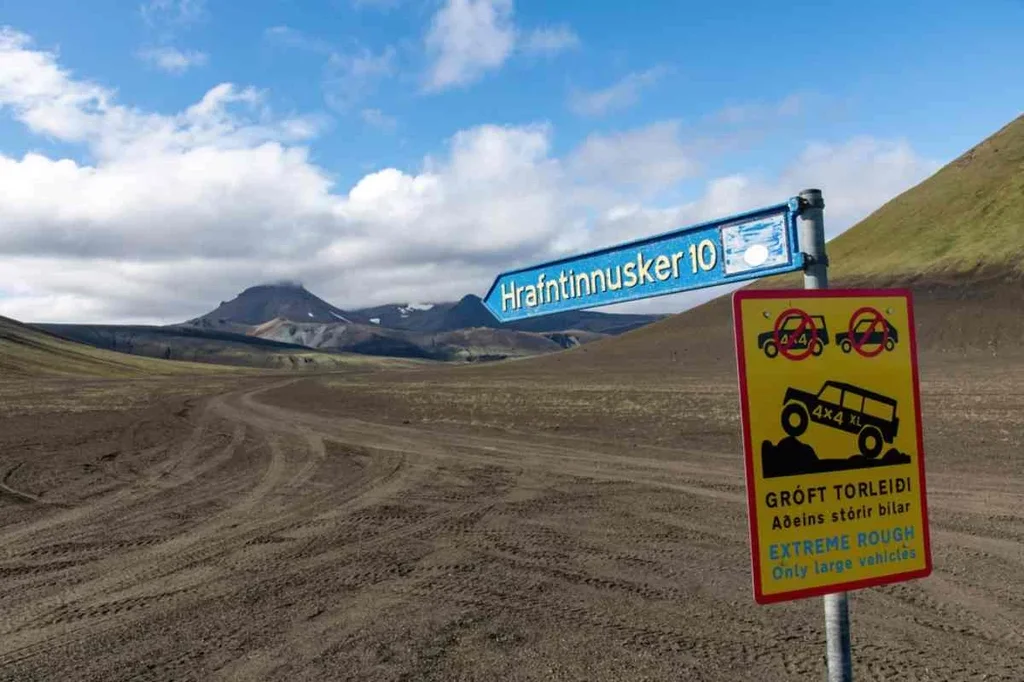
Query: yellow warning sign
point(832, 438)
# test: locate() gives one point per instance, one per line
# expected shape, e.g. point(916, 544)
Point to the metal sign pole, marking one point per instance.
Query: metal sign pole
point(837, 615)
point(812, 239)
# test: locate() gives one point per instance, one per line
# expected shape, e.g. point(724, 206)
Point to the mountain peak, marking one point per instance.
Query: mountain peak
point(469, 312)
point(279, 284)
point(286, 300)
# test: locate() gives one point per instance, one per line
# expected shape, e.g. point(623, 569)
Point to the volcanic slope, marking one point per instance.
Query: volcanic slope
point(264, 302)
point(956, 240)
point(478, 343)
point(200, 344)
point(29, 352)
point(470, 312)
point(465, 330)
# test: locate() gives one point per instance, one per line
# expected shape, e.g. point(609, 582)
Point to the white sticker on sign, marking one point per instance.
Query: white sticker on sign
point(756, 255)
point(759, 243)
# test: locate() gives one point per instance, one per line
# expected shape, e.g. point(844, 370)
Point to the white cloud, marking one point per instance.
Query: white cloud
point(173, 60)
point(349, 78)
point(466, 39)
point(739, 114)
point(179, 212)
point(857, 176)
point(550, 40)
point(645, 160)
point(619, 95)
point(469, 38)
point(49, 101)
point(166, 19)
point(378, 119)
point(290, 37)
point(171, 13)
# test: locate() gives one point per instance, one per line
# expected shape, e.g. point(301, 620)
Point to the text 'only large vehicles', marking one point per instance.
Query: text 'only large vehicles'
point(811, 335)
point(845, 407)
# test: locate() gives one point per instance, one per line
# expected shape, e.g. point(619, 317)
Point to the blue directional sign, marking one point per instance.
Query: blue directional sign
point(741, 247)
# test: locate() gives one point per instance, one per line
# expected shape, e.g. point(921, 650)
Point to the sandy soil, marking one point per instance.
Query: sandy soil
point(463, 525)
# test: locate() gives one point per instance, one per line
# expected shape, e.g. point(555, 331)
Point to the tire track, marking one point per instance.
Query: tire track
point(273, 542)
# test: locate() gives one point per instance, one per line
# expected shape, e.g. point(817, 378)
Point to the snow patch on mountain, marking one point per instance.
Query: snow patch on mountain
point(409, 307)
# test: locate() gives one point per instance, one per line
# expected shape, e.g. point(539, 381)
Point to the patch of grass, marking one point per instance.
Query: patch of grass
point(29, 352)
point(966, 217)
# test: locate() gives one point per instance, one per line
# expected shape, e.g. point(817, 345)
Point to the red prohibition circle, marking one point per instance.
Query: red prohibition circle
point(805, 322)
point(858, 342)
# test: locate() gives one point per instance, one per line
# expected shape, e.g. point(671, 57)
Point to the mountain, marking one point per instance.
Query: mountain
point(264, 302)
point(28, 352)
point(956, 240)
point(291, 301)
point(355, 338)
point(462, 330)
point(471, 312)
point(195, 345)
point(467, 313)
point(586, 320)
point(472, 344)
point(423, 317)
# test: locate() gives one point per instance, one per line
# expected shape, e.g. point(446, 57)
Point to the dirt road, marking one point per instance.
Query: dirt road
point(261, 531)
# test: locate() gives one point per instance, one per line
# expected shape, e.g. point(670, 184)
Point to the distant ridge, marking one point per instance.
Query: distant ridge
point(470, 312)
point(282, 324)
point(192, 344)
point(28, 352)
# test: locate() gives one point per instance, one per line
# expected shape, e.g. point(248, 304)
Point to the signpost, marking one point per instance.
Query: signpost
point(829, 397)
point(834, 460)
point(734, 249)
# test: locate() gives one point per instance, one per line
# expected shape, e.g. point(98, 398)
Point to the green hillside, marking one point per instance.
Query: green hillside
point(28, 352)
point(968, 216)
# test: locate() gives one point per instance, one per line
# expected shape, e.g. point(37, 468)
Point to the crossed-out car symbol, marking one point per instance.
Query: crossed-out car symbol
point(889, 335)
point(791, 325)
point(817, 341)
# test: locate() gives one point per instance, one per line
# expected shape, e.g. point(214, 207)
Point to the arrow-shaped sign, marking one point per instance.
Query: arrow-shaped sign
point(741, 247)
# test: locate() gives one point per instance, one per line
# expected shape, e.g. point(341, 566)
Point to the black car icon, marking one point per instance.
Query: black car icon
point(845, 407)
point(877, 335)
point(791, 324)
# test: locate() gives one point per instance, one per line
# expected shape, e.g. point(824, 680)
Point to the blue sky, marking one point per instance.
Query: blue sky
point(654, 104)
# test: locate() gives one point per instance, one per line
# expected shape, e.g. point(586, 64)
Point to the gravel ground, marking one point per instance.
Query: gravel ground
point(463, 525)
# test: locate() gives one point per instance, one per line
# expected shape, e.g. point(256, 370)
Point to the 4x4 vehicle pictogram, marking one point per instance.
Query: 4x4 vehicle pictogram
point(796, 332)
point(842, 406)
